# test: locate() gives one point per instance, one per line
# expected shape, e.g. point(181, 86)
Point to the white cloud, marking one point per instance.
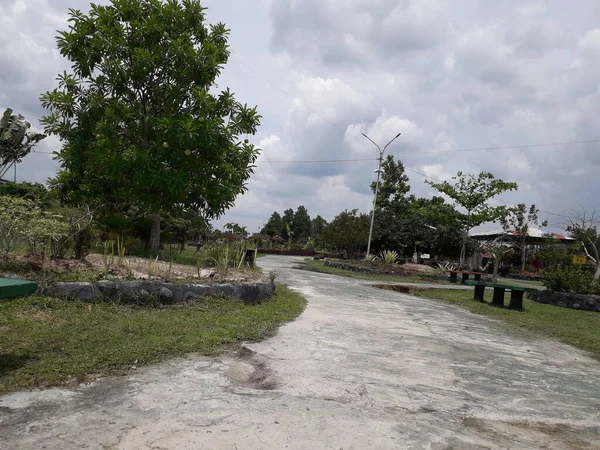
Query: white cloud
point(447, 75)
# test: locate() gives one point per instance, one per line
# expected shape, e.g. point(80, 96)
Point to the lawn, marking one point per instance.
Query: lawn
point(319, 266)
point(48, 342)
point(577, 328)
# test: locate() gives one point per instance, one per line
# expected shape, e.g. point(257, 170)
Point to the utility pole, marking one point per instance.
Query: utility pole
point(381, 152)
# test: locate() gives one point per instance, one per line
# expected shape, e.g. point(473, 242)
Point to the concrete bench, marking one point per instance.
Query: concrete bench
point(516, 293)
point(465, 275)
point(16, 288)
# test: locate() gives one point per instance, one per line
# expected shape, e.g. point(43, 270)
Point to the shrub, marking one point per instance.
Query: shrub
point(389, 257)
point(573, 279)
point(22, 221)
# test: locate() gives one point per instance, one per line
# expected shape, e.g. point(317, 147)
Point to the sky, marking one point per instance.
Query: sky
point(509, 87)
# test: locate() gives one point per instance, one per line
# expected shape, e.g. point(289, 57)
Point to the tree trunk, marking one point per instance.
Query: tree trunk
point(523, 257)
point(155, 233)
point(463, 251)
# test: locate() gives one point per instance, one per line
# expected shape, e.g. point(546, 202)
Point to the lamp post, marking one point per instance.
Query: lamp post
point(381, 152)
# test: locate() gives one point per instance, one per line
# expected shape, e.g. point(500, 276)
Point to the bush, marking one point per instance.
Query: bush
point(573, 279)
point(22, 221)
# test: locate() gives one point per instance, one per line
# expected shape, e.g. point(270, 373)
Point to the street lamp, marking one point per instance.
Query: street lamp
point(381, 152)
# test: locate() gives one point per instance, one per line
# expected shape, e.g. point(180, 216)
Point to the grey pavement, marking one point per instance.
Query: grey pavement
point(362, 368)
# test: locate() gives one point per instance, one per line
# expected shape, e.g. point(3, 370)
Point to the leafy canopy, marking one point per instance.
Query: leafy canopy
point(472, 192)
point(138, 115)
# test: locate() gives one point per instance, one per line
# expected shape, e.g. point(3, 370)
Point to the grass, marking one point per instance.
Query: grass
point(574, 327)
point(319, 266)
point(51, 342)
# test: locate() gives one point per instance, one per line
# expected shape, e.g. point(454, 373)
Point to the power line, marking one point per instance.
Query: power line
point(507, 147)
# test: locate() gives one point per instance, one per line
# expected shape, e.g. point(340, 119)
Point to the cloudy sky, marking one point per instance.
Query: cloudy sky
point(455, 77)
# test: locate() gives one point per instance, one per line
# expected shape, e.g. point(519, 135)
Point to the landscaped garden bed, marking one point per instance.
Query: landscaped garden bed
point(49, 341)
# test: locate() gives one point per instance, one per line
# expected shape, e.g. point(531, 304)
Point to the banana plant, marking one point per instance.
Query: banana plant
point(15, 140)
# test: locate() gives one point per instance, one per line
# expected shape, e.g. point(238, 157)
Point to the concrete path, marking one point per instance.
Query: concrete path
point(362, 368)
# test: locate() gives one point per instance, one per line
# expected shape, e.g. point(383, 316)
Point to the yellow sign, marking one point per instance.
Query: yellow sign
point(579, 259)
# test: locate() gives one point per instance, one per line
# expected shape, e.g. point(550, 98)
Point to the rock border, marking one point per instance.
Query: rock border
point(351, 267)
point(168, 293)
point(567, 300)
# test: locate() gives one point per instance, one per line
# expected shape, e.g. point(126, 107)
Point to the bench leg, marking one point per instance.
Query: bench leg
point(465, 277)
point(453, 277)
point(498, 299)
point(479, 293)
point(477, 277)
point(516, 300)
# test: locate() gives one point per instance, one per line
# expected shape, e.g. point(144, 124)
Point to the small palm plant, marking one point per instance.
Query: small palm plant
point(389, 257)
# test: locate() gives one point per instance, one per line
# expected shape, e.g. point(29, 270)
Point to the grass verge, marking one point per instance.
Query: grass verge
point(319, 266)
point(48, 342)
point(577, 328)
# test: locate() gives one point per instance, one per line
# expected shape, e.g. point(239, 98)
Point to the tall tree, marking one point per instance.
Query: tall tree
point(347, 232)
point(288, 220)
point(519, 219)
point(301, 223)
point(138, 114)
point(393, 185)
point(274, 226)
point(472, 192)
point(317, 226)
point(16, 141)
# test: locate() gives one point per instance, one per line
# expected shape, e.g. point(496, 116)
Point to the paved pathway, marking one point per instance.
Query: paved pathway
point(362, 368)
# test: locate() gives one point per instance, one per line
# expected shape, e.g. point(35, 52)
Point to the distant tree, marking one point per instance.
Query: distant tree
point(347, 232)
point(472, 193)
point(317, 226)
point(15, 140)
point(139, 117)
point(274, 226)
point(288, 220)
point(519, 219)
point(301, 223)
point(393, 185)
point(236, 229)
point(35, 192)
point(583, 226)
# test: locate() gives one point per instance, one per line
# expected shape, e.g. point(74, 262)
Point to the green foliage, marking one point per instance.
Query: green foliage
point(472, 193)
point(347, 232)
point(15, 139)
point(389, 257)
point(572, 278)
point(22, 221)
point(301, 223)
point(519, 219)
point(66, 340)
point(274, 226)
point(151, 119)
point(393, 185)
point(35, 192)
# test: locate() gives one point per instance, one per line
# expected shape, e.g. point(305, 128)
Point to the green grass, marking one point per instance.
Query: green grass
point(319, 266)
point(574, 327)
point(48, 342)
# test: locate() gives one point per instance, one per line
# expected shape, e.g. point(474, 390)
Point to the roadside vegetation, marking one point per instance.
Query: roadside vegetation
point(51, 342)
point(319, 266)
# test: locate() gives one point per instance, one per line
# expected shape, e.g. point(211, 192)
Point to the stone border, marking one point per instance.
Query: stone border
point(567, 300)
point(351, 267)
point(250, 293)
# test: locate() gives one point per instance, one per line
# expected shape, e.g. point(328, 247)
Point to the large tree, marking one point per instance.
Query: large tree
point(347, 232)
point(472, 192)
point(518, 220)
point(301, 223)
point(274, 226)
point(139, 117)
